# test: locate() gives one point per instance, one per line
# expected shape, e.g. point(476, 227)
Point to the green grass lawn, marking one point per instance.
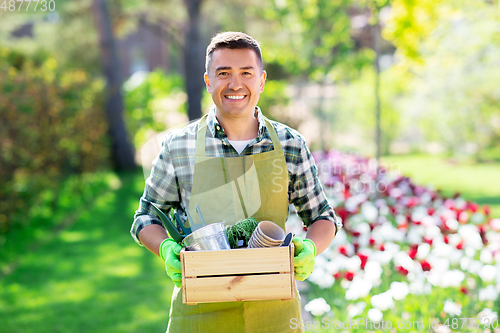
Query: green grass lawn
point(91, 276)
point(476, 182)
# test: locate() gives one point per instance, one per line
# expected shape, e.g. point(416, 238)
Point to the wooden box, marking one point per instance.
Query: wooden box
point(237, 275)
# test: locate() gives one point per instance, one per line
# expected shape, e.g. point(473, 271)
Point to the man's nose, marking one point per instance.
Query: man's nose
point(235, 82)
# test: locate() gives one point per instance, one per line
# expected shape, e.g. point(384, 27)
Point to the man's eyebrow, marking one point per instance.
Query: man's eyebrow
point(223, 68)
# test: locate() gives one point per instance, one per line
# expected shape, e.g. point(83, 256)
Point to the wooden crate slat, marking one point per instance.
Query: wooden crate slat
point(238, 261)
point(237, 288)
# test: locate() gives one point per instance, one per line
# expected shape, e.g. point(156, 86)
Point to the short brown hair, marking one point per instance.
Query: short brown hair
point(232, 40)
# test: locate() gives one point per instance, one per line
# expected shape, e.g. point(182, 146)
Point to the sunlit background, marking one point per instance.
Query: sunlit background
point(414, 85)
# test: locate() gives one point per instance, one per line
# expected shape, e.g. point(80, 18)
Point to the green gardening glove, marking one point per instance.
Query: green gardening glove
point(170, 252)
point(305, 252)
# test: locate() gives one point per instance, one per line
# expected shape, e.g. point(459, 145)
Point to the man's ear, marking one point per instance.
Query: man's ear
point(207, 82)
point(263, 77)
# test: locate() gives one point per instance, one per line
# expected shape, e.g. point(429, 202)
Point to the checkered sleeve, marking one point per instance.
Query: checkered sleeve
point(161, 188)
point(306, 191)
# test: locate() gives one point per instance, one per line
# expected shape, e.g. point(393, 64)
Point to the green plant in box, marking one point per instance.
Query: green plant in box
point(241, 231)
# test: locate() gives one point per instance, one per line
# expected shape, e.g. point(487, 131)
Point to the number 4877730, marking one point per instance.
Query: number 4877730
point(16, 5)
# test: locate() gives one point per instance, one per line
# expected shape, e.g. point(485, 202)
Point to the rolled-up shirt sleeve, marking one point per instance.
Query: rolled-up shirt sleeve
point(305, 189)
point(161, 188)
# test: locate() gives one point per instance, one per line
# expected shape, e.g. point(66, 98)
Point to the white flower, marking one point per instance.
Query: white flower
point(452, 308)
point(474, 266)
point(438, 264)
point(317, 307)
point(340, 239)
point(413, 236)
point(381, 257)
point(432, 231)
point(375, 315)
point(455, 256)
point(369, 211)
point(442, 250)
point(373, 270)
point(487, 316)
point(353, 264)
point(488, 294)
point(495, 224)
point(487, 273)
point(471, 236)
point(452, 278)
point(321, 278)
point(358, 288)
point(382, 301)
point(403, 259)
point(423, 251)
point(399, 290)
point(355, 309)
point(392, 248)
point(486, 256)
point(419, 287)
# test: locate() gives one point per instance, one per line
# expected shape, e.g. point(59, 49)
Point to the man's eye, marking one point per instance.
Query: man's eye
point(247, 73)
point(223, 73)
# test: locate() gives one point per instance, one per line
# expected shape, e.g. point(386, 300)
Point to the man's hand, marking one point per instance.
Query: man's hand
point(303, 261)
point(170, 252)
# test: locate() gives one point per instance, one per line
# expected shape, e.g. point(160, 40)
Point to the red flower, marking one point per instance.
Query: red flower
point(425, 265)
point(473, 207)
point(343, 250)
point(372, 241)
point(431, 211)
point(356, 233)
point(401, 270)
point(349, 275)
point(356, 247)
point(487, 210)
point(304, 228)
point(382, 247)
point(364, 260)
point(460, 245)
point(464, 290)
point(412, 253)
point(445, 239)
point(337, 275)
point(427, 240)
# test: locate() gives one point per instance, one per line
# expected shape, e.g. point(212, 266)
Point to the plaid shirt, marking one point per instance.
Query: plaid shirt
point(172, 172)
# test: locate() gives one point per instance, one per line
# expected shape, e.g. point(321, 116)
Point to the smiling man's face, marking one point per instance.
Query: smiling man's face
point(235, 81)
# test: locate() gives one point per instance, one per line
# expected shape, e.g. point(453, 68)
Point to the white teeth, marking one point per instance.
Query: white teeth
point(235, 97)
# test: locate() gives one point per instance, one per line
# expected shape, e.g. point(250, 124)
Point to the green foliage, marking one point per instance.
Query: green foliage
point(455, 96)
point(150, 100)
point(51, 125)
point(307, 38)
point(274, 98)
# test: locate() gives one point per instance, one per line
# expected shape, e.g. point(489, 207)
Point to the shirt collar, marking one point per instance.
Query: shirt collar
point(218, 132)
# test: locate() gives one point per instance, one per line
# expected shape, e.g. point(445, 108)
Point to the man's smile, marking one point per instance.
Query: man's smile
point(235, 97)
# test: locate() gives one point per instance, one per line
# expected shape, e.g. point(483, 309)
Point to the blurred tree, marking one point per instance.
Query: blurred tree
point(123, 152)
point(451, 50)
point(51, 125)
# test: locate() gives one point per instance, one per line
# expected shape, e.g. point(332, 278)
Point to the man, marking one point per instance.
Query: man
point(196, 167)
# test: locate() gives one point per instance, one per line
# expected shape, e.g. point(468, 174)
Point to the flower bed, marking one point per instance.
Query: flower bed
point(405, 255)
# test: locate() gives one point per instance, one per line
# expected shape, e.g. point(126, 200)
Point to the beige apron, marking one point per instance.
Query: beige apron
point(230, 189)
